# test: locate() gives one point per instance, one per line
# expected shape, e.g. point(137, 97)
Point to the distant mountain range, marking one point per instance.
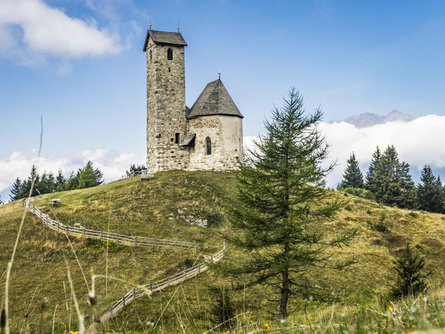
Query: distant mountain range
point(369, 119)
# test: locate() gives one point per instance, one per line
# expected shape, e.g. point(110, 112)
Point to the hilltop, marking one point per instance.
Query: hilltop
point(186, 206)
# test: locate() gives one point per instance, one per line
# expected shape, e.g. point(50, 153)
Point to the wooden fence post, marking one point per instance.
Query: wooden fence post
point(58, 226)
point(84, 231)
point(176, 243)
point(100, 235)
point(134, 293)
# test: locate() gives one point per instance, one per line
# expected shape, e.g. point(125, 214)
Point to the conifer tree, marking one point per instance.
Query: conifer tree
point(281, 206)
point(410, 271)
point(429, 192)
point(16, 190)
point(370, 180)
point(392, 181)
point(353, 177)
point(60, 181)
point(89, 177)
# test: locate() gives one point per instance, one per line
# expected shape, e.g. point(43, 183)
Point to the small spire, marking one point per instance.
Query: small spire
point(219, 75)
point(150, 24)
point(178, 26)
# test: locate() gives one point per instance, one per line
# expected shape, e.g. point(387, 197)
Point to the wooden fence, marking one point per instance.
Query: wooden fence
point(149, 288)
point(103, 235)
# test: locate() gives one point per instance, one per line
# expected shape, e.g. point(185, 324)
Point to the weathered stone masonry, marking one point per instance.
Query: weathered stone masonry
point(208, 136)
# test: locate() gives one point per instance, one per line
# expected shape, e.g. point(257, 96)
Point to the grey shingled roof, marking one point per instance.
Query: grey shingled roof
point(164, 37)
point(214, 100)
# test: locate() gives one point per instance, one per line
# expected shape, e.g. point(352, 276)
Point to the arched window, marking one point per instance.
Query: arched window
point(208, 146)
point(169, 54)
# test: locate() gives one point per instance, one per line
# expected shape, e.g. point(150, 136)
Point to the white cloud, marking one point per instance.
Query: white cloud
point(31, 28)
point(113, 166)
point(419, 142)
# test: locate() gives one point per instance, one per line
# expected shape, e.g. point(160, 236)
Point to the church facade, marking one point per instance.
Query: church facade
point(207, 136)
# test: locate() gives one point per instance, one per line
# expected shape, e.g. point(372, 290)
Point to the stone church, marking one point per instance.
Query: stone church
point(207, 136)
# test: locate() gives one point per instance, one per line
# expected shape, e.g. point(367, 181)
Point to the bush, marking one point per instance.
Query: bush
point(359, 192)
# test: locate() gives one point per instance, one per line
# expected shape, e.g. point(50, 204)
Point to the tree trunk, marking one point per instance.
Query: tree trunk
point(284, 294)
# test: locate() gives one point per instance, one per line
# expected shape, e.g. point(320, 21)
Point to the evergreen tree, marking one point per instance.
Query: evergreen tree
point(46, 184)
point(429, 192)
point(281, 204)
point(410, 271)
point(72, 182)
point(16, 190)
point(60, 181)
point(89, 177)
point(392, 181)
point(370, 180)
point(135, 170)
point(353, 177)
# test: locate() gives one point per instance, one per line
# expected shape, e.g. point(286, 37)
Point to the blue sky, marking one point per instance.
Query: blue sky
point(349, 57)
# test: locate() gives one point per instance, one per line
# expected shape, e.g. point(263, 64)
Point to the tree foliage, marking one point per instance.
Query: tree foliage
point(370, 179)
point(430, 192)
point(392, 181)
point(282, 203)
point(46, 183)
point(353, 177)
point(410, 273)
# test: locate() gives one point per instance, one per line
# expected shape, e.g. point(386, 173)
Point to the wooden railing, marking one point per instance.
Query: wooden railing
point(149, 288)
point(104, 235)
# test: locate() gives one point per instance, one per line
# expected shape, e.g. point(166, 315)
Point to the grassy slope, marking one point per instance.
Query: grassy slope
point(151, 208)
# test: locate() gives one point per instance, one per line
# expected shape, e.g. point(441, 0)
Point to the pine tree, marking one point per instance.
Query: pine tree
point(370, 180)
point(353, 177)
point(429, 192)
point(392, 181)
point(60, 181)
point(410, 271)
point(89, 177)
point(16, 190)
point(279, 212)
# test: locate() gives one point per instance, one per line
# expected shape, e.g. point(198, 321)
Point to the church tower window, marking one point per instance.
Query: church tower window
point(208, 146)
point(177, 138)
point(169, 54)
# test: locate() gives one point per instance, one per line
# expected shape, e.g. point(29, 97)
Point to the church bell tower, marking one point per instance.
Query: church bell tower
point(166, 110)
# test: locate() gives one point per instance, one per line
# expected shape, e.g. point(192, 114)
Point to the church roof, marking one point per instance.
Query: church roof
point(164, 37)
point(214, 100)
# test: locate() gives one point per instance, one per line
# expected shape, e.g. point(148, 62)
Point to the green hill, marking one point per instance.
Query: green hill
point(187, 206)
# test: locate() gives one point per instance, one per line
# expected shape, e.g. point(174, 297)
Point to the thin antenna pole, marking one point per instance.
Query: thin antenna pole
point(150, 24)
point(178, 26)
point(219, 75)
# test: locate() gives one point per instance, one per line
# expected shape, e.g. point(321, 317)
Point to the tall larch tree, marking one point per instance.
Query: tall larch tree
point(282, 204)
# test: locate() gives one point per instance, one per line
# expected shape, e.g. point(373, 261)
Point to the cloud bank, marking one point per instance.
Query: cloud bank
point(31, 30)
point(419, 142)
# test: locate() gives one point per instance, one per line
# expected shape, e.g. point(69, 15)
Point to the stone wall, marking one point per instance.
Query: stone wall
point(226, 135)
point(165, 108)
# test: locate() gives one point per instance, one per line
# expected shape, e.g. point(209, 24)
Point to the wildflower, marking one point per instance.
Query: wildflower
point(241, 331)
point(425, 299)
point(411, 318)
point(342, 315)
point(311, 298)
point(74, 332)
point(413, 309)
point(266, 327)
point(282, 321)
point(390, 309)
